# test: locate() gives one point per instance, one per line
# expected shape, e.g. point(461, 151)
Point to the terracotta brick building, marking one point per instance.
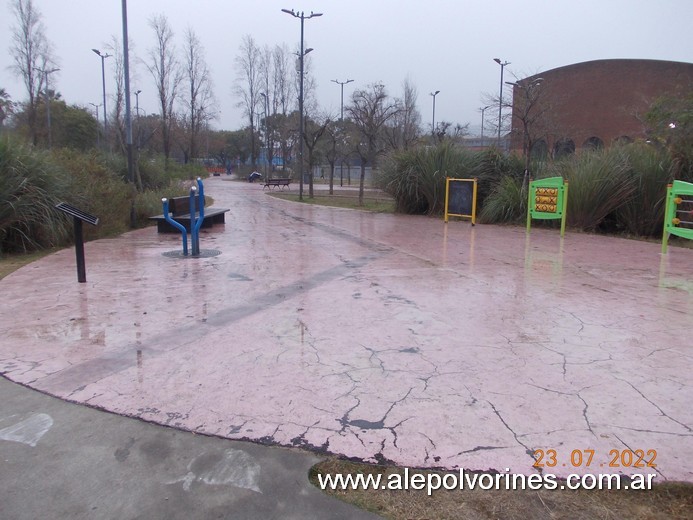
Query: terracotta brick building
point(591, 104)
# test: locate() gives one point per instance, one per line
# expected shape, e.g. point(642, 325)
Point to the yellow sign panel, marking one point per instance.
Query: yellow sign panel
point(545, 200)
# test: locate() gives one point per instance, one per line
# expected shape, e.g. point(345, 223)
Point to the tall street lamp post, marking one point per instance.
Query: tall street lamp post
point(128, 117)
point(103, 57)
point(137, 103)
point(301, 16)
point(267, 140)
point(433, 120)
point(48, 101)
point(500, 98)
point(98, 137)
point(137, 116)
point(341, 84)
point(482, 122)
point(341, 119)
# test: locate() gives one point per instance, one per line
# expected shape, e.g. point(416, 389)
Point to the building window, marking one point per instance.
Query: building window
point(563, 147)
point(540, 150)
point(593, 143)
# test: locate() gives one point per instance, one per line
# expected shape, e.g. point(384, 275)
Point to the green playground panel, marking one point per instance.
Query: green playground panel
point(678, 212)
point(547, 200)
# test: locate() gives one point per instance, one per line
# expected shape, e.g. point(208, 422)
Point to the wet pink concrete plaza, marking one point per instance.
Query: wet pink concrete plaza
point(375, 336)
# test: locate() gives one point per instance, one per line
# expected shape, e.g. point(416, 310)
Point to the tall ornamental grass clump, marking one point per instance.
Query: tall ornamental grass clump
point(33, 181)
point(30, 187)
point(621, 189)
point(97, 189)
point(507, 202)
point(416, 177)
point(650, 170)
point(156, 173)
point(599, 184)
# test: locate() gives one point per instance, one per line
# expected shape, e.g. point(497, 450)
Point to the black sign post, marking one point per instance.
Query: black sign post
point(79, 216)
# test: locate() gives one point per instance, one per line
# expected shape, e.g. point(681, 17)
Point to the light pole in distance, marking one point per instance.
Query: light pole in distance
point(98, 137)
point(137, 115)
point(341, 84)
point(48, 101)
point(267, 141)
point(103, 57)
point(500, 98)
point(433, 120)
point(341, 119)
point(482, 122)
point(301, 16)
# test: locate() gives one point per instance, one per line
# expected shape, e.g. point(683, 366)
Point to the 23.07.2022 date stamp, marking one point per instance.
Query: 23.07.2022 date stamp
point(585, 458)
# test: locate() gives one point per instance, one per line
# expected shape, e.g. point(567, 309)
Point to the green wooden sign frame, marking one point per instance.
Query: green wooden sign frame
point(678, 212)
point(547, 200)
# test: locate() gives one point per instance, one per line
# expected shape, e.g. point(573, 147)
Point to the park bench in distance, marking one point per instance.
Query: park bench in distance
point(180, 212)
point(280, 182)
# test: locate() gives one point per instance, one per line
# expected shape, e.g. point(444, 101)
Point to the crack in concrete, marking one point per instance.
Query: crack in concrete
point(584, 414)
point(365, 424)
point(656, 469)
point(529, 451)
point(664, 414)
point(483, 448)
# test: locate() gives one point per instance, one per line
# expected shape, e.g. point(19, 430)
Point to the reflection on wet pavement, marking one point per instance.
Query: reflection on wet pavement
point(380, 337)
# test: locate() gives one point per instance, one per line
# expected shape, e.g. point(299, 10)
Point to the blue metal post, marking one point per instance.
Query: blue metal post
point(176, 225)
point(194, 236)
point(201, 197)
point(195, 229)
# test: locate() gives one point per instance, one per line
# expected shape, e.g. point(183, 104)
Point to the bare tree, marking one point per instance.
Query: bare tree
point(370, 110)
point(492, 100)
point(313, 132)
point(248, 85)
point(268, 103)
point(283, 93)
point(531, 117)
point(164, 68)
point(32, 54)
point(283, 87)
point(115, 48)
point(199, 99)
point(405, 128)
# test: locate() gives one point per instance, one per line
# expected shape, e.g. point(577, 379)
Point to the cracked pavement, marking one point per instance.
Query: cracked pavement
point(385, 338)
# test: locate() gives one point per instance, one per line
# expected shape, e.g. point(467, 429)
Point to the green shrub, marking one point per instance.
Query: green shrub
point(507, 202)
point(599, 184)
point(156, 173)
point(491, 167)
point(148, 203)
point(621, 189)
point(650, 169)
point(416, 177)
point(30, 187)
point(96, 189)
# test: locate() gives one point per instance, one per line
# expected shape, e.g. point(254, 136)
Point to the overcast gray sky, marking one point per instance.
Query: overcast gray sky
point(445, 45)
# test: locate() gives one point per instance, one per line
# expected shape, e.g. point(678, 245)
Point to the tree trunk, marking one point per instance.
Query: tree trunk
point(332, 178)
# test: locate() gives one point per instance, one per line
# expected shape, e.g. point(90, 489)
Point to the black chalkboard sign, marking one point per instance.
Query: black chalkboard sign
point(460, 198)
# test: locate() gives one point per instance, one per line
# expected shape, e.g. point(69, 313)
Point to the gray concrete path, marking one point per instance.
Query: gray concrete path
point(60, 460)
